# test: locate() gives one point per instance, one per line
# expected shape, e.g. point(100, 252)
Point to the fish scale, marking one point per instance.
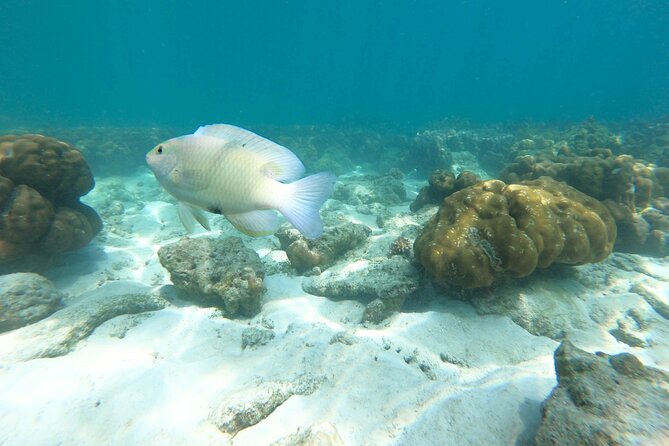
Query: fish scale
point(230, 171)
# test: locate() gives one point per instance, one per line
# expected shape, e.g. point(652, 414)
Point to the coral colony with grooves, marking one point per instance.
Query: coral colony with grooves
point(497, 278)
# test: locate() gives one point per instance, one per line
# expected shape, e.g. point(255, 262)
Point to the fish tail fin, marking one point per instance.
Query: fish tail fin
point(304, 199)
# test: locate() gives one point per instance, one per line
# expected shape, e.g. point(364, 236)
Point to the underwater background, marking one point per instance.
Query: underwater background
point(300, 62)
point(494, 264)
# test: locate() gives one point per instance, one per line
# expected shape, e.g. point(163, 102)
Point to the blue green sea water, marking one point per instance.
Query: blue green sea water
point(493, 264)
point(301, 62)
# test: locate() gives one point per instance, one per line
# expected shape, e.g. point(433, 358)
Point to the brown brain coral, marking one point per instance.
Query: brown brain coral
point(53, 168)
point(492, 228)
point(41, 180)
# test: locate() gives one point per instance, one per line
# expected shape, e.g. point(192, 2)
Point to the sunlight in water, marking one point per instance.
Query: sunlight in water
point(449, 151)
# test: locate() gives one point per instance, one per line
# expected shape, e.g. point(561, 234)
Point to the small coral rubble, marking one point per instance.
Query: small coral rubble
point(599, 174)
point(26, 298)
point(384, 283)
point(441, 184)
point(41, 180)
point(305, 254)
point(401, 246)
point(630, 188)
point(602, 399)
point(216, 272)
point(492, 228)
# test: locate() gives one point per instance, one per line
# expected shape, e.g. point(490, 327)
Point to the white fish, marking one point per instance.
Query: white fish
point(230, 171)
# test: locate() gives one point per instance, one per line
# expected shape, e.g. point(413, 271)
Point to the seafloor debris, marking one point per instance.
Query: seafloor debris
point(254, 337)
point(401, 246)
point(605, 400)
point(59, 333)
point(250, 406)
point(305, 254)
point(441, 184)
point(219, 272)
point(385, 283)
point(26, 298)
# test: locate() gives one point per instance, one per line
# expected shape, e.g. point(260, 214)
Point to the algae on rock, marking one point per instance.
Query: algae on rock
point(605, 400)
point(218, 272)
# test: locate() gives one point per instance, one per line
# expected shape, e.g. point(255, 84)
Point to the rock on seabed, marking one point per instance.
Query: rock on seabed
point(605, 400)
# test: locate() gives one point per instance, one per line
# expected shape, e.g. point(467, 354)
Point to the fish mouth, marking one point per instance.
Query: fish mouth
point(152, 163)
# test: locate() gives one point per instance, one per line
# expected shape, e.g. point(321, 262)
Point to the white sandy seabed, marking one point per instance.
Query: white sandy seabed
point(444, 373)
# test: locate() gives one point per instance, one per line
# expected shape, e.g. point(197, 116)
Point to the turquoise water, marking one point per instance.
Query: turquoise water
point(434, 308)
point(290, 62)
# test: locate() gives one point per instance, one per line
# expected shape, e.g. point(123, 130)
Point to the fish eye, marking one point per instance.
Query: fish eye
point(159, 149)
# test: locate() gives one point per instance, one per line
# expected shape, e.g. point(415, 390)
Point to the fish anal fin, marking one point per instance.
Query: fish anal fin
point(255, 223)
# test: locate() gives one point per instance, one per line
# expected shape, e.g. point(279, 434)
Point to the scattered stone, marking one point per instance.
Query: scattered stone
point(121, 325)
point(377, 311)
point(58, 334)
point(343, 337)
point(305, 254)
point(387, 282)
point(654, 297)
point(401, 246)
point(424, 366)
point(447, 357)
point(542, 307)
point(218, 272)
point(628, 328)
point(276, 262)
point(324, 434)
point(267, 323)
point(250, 406)
point(315, 271)
point(442, 183)
point(26, 298)
point(605, 400)
point(256, 337)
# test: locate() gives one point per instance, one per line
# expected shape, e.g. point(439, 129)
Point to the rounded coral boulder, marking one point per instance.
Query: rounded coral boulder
point(53, 168)
point(41, 180)
point(493, 228)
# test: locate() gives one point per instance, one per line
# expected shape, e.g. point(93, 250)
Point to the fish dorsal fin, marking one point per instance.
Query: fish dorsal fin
point(281, 164)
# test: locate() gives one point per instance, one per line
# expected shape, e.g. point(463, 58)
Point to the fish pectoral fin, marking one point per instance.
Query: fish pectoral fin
point(190, 214)
point(191, 180)
point(255, 223)
point(280, 163)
